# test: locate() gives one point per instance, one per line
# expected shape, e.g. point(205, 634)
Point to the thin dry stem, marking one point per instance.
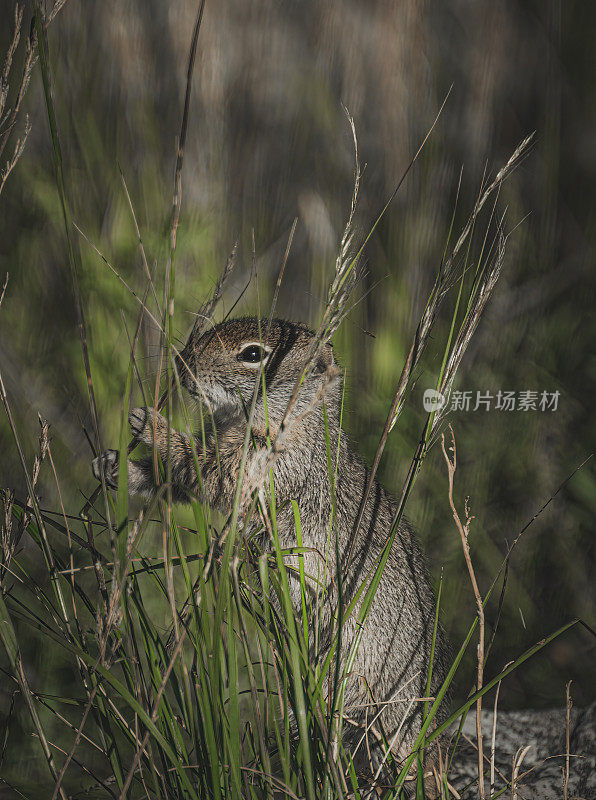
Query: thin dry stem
point(478, 303)
point(517, 762)
point(67, 526)
point(3, 292)
point(280, 276)
point(339, 292)
point(437, 294)
point(9, 116)
point(18, 152)
point(183, 129)
point(141, 245)
point(464, 531)
point(16, 660)
point(493, 740)
point(113, 616)
point(140, 750)
point(514, 160)
point(568, 704)
point(79, 733)
point(7, 540)
point(16, 36)
point(474, 745)
point(37, 461)
point(57, 8)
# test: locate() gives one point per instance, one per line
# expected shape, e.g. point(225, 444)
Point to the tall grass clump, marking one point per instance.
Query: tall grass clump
point(192, 675)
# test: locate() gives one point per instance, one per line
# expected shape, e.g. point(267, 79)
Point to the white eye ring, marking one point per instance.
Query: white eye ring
point(253, 354)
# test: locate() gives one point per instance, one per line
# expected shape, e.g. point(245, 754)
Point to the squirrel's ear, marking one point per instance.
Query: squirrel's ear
point(326, 359)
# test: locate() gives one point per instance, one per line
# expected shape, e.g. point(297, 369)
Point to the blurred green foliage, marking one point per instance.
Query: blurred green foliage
point(268, 142)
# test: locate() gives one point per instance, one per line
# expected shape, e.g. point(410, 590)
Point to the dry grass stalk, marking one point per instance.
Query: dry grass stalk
point(68, 533)
point(346, 277)
point(12, 47)
point(205, 313)
point(56, 9)
point(9, 116)
point(514, 160)
point(17, 153)
point(493, 740)
point(3, 292)
point(113, 618)
point(141, 245)
point(177, 201)
point(487, 760)
point(280, 276)
point(32, 506)
point(517, 762)
point(464, 531)
point(37, 462)
point(41, 24)
point(7, 541)
point(443, 282)
point(568, 704)
point(79, 733)
point(478, 303)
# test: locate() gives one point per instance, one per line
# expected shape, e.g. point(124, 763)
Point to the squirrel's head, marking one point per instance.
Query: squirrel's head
point(220, 367)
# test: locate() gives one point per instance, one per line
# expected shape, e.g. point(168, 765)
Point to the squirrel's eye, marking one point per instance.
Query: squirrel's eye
point(252, 354)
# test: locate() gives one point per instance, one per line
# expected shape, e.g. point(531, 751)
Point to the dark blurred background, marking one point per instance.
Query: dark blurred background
point(269, 141)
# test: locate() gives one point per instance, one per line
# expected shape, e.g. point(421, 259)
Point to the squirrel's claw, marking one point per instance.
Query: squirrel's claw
point(108, 464)
point(137, 419)
point(141, 421)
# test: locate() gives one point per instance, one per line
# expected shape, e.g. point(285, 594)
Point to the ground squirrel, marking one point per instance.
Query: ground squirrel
point(219, 369)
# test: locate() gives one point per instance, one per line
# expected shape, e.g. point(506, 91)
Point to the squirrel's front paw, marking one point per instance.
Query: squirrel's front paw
point(108, 464)
point(141, 424)
point(145, 425)
point(139, 420)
